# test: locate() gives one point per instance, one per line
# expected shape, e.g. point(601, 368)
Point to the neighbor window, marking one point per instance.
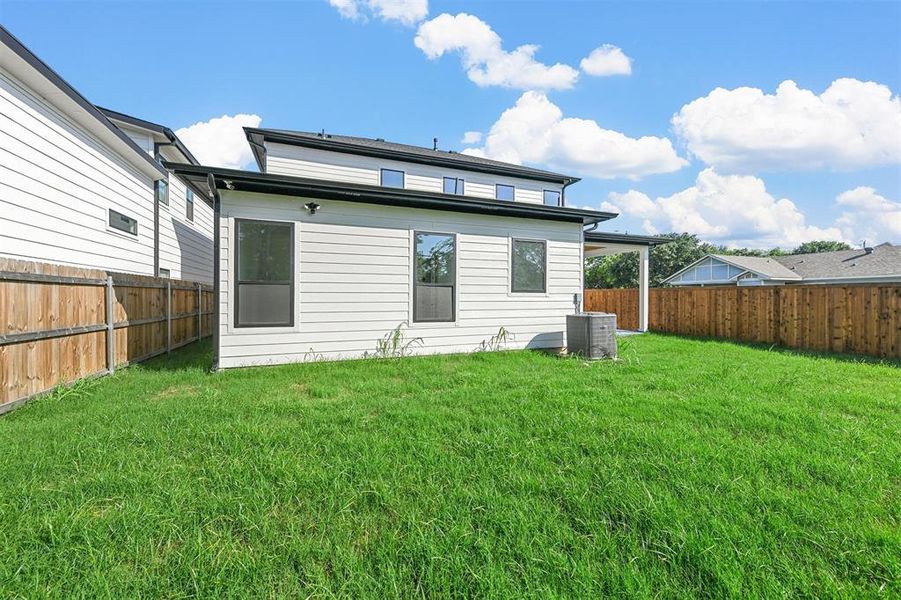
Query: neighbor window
point(453, 185)
point(436, 267)
point(264, 274)
point(189, 204)
point(164, 273)
point(529, 266)
point(552, 198)
point(391, 178)
point(504, 192)
point(122, 222)
point(161, 189)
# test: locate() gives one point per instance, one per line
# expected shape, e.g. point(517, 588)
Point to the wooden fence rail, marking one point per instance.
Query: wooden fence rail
point(60, 324)
point(864, 319)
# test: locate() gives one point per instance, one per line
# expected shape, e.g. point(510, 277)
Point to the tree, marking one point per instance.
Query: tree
point(621, 270)
point(820, 246)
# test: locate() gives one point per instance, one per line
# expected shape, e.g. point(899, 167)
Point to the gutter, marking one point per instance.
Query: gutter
point(266, 183)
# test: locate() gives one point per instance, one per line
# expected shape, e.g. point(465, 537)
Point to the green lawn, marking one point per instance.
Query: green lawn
point(690, 467)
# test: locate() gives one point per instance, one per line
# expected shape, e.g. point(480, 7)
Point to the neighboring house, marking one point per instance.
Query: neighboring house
point(339, 240)
point(867, 265)
point(84, 187)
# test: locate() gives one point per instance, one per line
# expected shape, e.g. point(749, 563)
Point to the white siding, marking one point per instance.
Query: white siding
point(57, 183)
point(186, 247)
point(296, 161)
point(353, 280)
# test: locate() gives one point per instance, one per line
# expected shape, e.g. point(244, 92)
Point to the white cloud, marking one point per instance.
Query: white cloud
point(869, 216)
point(220, 142)
point(607, 60)
point(535, 131)
point(406, 12)
point(485, 60)
point(471, 137)
point(852, 124)
point(733, 209)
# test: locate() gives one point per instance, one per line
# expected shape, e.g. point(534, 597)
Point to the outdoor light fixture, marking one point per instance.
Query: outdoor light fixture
point(228, 184)
point(312, 207)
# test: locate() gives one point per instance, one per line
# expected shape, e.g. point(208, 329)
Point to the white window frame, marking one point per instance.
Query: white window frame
point(412, 279)
point(232, 287)
point(547, 256)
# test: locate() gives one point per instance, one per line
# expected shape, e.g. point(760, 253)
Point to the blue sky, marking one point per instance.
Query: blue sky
point(742, 167)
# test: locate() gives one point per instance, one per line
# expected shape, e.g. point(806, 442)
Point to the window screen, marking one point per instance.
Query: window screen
point(434, 287)
point(504, 192)
point(189, 204)
point(391, 178)
point(529, 266)
point(264, 274)
point(162, 192)
point(551, 198)
point(453, 185)
point(122, 222)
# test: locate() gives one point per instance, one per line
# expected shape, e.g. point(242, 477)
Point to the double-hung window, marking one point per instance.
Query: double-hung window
point(552, 198)
point(392, 178)
point(434, 287)
point(453, 185)
point(264, 274)
point(528, 266)
point(189, 204)
point(504, 192)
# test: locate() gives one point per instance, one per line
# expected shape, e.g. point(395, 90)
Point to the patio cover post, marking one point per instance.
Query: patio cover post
point(644, 263)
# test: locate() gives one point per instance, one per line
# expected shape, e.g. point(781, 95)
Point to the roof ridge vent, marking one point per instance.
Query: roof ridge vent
point(380, 139)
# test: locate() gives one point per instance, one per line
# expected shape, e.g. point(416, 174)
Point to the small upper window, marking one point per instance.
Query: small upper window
point(453, 185)
point(504, 192)
point(529, 266)
point(392, 178)
point(122, 222)
point(164, 273)
point(161, 188)
point(189, 204)
point(552, 198)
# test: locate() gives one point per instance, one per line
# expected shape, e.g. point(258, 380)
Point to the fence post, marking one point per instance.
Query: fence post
point(199, 312)
point(168, 316)
point(110, 329)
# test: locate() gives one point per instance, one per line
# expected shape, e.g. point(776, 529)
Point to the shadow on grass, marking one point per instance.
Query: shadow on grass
point(836, 356)
point(196, 356)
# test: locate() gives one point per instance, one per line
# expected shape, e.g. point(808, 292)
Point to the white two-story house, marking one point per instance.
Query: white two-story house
point(82, 186)
point(339, 240)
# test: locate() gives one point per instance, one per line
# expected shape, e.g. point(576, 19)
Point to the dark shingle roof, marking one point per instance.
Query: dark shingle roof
point(885, 259)
point(396, 151)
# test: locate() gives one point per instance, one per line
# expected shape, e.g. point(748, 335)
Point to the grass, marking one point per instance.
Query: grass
point(689, 468)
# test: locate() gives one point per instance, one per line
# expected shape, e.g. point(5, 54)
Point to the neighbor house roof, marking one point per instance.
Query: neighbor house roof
point(37, 75)
point(268, 183)
point(765, 266)
point(153, 127)
point(881, 261)
point(394, 151)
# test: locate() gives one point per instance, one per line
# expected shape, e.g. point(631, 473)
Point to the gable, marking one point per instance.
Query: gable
point(707, 270)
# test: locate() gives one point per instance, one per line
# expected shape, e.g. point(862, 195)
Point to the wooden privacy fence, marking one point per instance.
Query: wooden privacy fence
point(864, 319)
point(59, 324)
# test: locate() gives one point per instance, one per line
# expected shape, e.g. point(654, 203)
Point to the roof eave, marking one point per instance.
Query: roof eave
point(153, 127)
point(141, 160)
point(249, 181)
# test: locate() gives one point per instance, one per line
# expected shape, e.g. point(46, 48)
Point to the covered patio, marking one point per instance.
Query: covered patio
point(599, 243)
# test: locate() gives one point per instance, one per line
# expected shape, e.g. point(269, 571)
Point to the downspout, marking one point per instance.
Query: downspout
point(568, 183)
point(156, 216)
point(211, 183)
